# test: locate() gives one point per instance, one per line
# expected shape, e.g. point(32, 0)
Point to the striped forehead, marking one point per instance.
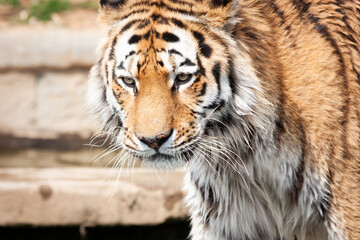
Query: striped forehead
point(171, 46)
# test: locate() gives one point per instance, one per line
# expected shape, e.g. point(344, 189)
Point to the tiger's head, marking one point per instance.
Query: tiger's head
point(168, 70)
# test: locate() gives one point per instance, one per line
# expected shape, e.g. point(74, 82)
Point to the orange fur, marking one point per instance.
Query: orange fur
point(307, 57)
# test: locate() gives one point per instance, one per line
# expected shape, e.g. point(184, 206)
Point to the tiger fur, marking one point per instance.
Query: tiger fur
point(259, 99)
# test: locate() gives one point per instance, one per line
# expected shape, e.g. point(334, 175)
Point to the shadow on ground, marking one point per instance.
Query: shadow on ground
point(166, 231)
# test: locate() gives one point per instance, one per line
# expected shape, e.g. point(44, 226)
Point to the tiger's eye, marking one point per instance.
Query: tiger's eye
point(129, 81)
point(183, 76)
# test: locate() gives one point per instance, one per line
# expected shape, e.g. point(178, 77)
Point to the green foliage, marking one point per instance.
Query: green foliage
point(86, 5)
point(43, 9)
point(10, 2)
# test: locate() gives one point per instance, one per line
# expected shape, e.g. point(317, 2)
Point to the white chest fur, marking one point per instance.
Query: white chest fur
point(252, 199)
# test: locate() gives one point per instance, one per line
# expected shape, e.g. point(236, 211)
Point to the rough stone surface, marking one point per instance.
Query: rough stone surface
point(52, 48)
point(61, 106)
point(47, 101)
point(72, 196)
point(18, 99)
point(44, 105)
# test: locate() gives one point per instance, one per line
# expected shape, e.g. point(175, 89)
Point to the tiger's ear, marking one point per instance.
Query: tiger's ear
point(110, 9)
point(222, 13)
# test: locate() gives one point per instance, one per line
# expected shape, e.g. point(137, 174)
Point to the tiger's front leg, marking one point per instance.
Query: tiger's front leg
point(221, 210)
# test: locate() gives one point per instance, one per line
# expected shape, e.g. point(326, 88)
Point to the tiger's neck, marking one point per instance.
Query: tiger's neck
point(246, 195)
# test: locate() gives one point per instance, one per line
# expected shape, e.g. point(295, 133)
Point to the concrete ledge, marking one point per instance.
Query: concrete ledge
point(73, 196)
point(52, 48)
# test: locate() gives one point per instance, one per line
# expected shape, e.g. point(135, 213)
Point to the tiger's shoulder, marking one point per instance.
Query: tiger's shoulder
point(307, 54)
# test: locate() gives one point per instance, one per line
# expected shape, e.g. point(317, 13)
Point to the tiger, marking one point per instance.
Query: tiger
point(259, 100)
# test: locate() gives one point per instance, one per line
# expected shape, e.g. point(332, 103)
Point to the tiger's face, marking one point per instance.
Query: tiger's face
point(161, 90)
point(164, 76)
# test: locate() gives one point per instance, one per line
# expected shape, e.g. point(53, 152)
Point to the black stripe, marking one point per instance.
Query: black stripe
point(187, 62)
point(219, 3)
point(170, 37)
point(192, 113)
point(303, 8)
point(181, 2)
point(121, 66)
point(111, 55)
point(299, 174)
point(278, 12)
point(146, 35)
point(188, 11)
point(129, 54)
point(178, 23)
point(115, 94)
point(325, 202)
point(349, 36)
point(173, 51)
point(197, 113)
point(203, 90)
point(201, 67)
point(113, 74)
point(155, 16)
point(108, 122)
point(226, 118)
point(216, 71)
point(99, 76)
point(198, 36)
point(354, 46)
point(251, 33)
point(163, 20)
point(212, 205)
point(160, 63)
point(128, 25)
point(175, 87)
point(205, 49)
point(160, 19)
point(134, 12)
point(218, 105)
point(184, 10)
point(112, 3)
point(143, 3)
point(107, 73)
point(143, 24)
point(157, 34)
point(232, 78)
point(138, 66)
point(135, 39)
point(196, 80)
point(120, 124)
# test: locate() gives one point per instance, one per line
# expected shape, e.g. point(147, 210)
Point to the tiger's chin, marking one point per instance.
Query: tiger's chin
point(165, 161)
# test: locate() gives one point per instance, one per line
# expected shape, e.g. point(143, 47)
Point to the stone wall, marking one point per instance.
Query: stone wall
point(89, 196)
point(43, 75)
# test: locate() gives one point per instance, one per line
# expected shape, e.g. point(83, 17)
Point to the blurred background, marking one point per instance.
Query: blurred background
point(52, 184)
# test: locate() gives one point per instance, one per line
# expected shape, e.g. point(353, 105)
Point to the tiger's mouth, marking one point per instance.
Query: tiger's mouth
point(161, 149)
point(176, 159)
point(160, 156)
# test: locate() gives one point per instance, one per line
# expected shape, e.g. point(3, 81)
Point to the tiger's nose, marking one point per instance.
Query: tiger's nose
point(157, 141)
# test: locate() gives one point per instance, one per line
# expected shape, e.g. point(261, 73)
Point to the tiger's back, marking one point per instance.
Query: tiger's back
point(276, 86)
